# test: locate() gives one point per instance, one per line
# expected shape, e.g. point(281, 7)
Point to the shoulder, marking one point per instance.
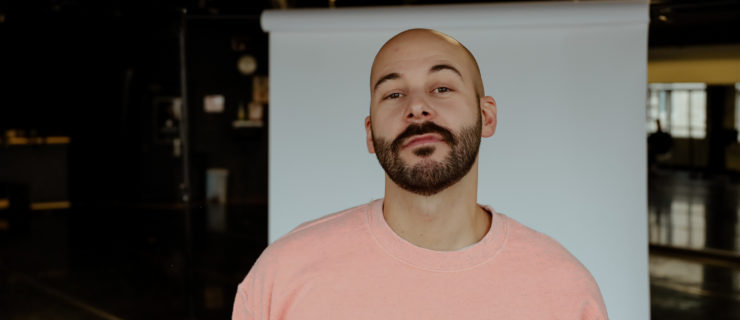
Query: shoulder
point(331, 221)
point(543, 258)
point(528, 242)
point(326, 228)
point(548, 264)
point(317, 238)
point(297, 256)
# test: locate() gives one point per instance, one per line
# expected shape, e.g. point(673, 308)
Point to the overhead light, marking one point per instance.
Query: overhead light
point(663, 18)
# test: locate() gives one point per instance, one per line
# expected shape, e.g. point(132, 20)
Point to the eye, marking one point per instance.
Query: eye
point(394, 95)
point(442, 90)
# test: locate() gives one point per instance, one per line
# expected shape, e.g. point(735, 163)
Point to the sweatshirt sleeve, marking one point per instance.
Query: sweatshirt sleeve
point(241, 310)
point(592, 310)
point(592, 305)
point(254, 294)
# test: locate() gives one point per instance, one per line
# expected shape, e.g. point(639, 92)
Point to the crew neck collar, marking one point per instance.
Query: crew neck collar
point(443, 261)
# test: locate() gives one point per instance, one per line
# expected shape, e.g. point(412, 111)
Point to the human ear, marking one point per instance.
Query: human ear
point(489, 112)
point(369, 133)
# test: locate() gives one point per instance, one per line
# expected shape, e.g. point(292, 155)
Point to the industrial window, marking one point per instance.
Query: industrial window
point(680, 107)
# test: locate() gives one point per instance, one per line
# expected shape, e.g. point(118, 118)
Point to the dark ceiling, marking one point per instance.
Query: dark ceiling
point(673, 22)
point(681, 23)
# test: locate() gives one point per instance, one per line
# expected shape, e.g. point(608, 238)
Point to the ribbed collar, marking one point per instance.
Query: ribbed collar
point(442, 261)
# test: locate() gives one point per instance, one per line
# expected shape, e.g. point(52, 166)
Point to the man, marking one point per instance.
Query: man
point(427, 250)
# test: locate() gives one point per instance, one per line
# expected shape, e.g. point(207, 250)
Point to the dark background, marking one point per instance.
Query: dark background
point(127, 245)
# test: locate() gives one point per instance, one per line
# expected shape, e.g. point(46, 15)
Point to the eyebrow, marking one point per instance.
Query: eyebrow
point(441, 67)
point(385, 78)
point(435, 68)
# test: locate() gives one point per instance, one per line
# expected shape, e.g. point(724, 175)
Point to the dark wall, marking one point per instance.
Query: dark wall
point(216, 143)
point(94, 77)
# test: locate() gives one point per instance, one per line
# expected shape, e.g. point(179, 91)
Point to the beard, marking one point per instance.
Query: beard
point(429, 177)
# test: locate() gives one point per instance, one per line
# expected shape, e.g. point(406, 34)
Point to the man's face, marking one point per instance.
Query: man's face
point(425, 113)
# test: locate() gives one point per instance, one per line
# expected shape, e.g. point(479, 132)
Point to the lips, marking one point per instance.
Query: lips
point(422, 139)
point(417, 134)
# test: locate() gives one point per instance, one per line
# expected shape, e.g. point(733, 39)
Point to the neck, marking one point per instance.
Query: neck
point(446, 221)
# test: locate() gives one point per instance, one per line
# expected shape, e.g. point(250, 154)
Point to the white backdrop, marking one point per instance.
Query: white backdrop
point(568, 157)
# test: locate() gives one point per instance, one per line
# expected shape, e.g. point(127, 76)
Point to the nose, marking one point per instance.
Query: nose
point(419, 110)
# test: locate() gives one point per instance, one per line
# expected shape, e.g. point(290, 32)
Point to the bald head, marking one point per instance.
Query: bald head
point(415, 43)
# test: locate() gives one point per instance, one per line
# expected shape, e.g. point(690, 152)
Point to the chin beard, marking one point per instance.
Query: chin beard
point(429, 177)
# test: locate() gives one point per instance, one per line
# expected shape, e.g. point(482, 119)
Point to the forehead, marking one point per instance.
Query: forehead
point(417, 50)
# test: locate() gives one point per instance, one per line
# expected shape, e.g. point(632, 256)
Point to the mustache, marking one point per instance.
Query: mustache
point(423, 128)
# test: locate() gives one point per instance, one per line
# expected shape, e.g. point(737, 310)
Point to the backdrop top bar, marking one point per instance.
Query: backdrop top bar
point(456, 16)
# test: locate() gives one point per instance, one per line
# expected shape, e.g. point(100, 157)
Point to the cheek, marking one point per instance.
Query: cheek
point(386, 125)
point(460, 103)
point(450, 118)
point(461, 113)
point(387, 133)
point(388, 111)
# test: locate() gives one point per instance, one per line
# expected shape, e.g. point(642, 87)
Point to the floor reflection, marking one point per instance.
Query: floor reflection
point(693, 212)
point(698, 216)
point(680, 224)
point(692, 290)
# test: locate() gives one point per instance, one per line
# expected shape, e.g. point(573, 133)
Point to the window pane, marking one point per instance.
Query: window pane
point(653, 111)
point(681, 109)
point(680, 113)
point(698, 114)
point(664, 122)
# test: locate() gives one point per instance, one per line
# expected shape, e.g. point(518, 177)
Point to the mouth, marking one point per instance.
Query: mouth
point(424, 134)
point(423, 139)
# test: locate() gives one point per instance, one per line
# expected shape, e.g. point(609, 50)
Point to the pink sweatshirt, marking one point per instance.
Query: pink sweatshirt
point(351, 265)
